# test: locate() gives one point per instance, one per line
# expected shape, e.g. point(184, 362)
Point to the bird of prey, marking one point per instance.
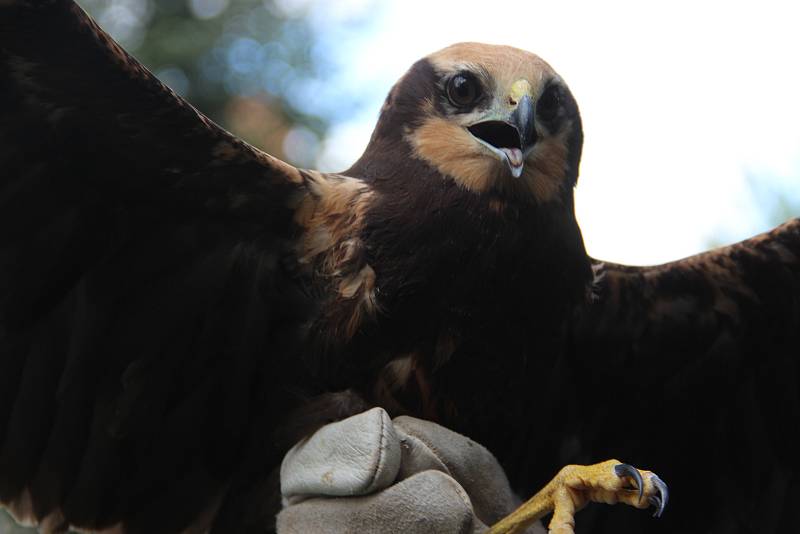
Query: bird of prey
point(178, 307)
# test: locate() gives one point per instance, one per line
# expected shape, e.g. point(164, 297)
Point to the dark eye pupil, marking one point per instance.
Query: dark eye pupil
point(462, 90)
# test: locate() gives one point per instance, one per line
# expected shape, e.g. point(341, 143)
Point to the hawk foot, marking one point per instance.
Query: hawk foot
point(575, 486)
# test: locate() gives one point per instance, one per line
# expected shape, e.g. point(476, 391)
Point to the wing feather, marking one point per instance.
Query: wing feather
point(145, 309)
point(692, 368)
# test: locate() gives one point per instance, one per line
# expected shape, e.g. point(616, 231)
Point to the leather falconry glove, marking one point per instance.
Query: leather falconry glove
point(372, 474)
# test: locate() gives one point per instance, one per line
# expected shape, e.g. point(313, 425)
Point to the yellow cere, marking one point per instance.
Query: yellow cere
point(521, 88)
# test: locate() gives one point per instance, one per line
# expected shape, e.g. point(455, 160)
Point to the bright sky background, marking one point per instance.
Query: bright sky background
point(681, 102)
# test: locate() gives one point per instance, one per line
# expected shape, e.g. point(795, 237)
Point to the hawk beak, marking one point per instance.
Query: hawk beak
point(511, 139)
point(523, 119)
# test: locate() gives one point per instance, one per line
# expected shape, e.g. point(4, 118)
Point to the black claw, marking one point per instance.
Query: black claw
point(663, 495)
point(656, 502)
point(625, 470)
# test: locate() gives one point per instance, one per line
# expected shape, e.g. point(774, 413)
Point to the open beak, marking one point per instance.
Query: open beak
point(511, 139)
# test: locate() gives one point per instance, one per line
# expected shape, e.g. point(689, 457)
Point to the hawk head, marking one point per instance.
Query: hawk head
point(491, 118)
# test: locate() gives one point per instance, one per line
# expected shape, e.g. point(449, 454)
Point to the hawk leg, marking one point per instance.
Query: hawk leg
point(577, 485)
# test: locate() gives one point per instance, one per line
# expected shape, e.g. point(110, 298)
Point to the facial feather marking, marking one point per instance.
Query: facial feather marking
point(441, 138)
point(450, 149)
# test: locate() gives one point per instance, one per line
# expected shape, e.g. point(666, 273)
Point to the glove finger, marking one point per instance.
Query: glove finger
point(355, 456)
point(426, 445)
point(430, 502)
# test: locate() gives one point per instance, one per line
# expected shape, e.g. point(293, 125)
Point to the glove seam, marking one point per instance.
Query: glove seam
point(434, 450)
point(377, 462)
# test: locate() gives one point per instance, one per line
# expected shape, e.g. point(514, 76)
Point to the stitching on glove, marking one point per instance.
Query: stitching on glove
point(461, 492)
point(380, 456)
point(433, 449)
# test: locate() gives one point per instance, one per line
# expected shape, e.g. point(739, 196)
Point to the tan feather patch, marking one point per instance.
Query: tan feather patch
point(452, 150)
point(333, 215)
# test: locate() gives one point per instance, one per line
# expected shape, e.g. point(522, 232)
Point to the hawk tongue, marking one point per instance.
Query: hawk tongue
point(515, 160)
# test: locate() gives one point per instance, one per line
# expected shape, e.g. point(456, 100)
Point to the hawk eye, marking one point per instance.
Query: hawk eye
point(463, 90)
point(549, 103)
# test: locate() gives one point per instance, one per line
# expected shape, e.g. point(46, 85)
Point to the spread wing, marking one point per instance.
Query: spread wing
point(693, 369)
point(144, 308)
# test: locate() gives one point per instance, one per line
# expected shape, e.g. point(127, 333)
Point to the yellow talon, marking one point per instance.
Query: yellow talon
point(577, 485)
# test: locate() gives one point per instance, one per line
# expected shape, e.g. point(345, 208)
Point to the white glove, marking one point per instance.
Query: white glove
point(369, 474)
